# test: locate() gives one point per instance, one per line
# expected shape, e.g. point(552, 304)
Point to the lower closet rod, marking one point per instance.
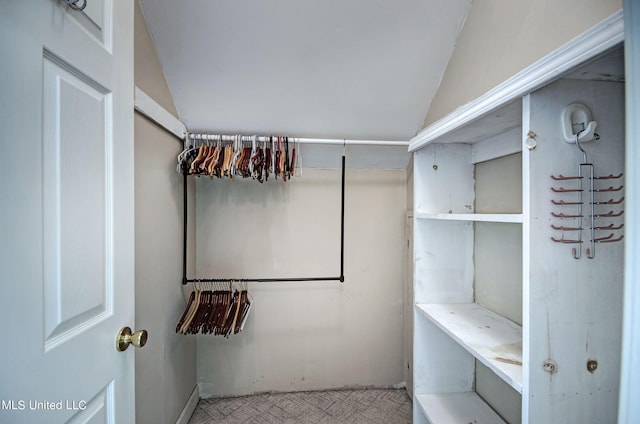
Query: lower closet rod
point(261, 280)
point(186, 280)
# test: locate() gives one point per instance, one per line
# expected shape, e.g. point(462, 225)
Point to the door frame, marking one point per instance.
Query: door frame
point(629, 408)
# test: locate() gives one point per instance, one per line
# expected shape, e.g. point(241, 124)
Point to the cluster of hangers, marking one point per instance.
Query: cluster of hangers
point(592, 216)
point(215, 308)
point(245, 157)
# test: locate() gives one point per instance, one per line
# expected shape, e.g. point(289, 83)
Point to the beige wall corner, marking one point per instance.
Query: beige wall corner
point(501, 37)
point(149, 76)
point(166, 366)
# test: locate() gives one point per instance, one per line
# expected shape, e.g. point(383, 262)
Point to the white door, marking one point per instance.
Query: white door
point(66, 222)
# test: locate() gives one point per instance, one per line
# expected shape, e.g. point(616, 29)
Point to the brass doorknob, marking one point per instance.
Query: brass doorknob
point(125, 338)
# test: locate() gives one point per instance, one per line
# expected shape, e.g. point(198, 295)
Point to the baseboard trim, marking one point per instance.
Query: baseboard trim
point(189, 408)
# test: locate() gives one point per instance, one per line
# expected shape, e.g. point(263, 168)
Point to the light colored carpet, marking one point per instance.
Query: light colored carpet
point(367, 406)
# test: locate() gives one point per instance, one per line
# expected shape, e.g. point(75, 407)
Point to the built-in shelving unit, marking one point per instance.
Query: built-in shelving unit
point(507, 323)
point(450, 317)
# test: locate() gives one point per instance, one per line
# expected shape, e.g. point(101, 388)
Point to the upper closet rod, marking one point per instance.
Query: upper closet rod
point(261, 138)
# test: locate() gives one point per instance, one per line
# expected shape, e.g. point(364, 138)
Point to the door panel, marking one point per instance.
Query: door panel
point(96, 20)
point(77, 230)
point(98, 410)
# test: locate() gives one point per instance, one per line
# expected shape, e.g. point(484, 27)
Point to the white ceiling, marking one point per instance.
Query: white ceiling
point(355, 69)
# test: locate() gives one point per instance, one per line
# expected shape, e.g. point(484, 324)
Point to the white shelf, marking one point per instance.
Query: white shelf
point(457, 408)
point(515, 218)
point(492, 339)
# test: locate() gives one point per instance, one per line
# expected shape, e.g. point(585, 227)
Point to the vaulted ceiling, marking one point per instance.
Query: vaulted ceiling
point(356, 69)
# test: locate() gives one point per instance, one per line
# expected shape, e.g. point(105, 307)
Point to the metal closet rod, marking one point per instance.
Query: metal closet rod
point(262, 138)
point(261, 280)
point(186, 280)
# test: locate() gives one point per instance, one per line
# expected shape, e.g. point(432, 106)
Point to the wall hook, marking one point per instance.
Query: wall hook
point(576, 121)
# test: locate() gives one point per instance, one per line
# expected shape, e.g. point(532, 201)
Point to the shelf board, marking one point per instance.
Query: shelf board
point(492, 339)
point(515, 218)
point(465, 407)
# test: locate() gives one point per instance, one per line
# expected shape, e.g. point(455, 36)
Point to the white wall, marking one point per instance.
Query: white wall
point(166, 366)
point(304, 336)
point(502, 37)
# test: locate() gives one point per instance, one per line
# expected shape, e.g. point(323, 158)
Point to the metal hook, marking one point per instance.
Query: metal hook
point(566, 190)
point(584, 154)
point(609, 239)
point(563, 202)
point(609, 177)
point(608, 189)
point(566, 241)
point(564, 228)
point(564, 215)
point(562, 177)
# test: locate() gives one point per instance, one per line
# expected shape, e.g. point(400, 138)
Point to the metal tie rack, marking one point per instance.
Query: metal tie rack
point(580, 203)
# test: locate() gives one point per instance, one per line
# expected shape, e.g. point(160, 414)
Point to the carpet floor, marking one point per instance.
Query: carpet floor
point(367, 406)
